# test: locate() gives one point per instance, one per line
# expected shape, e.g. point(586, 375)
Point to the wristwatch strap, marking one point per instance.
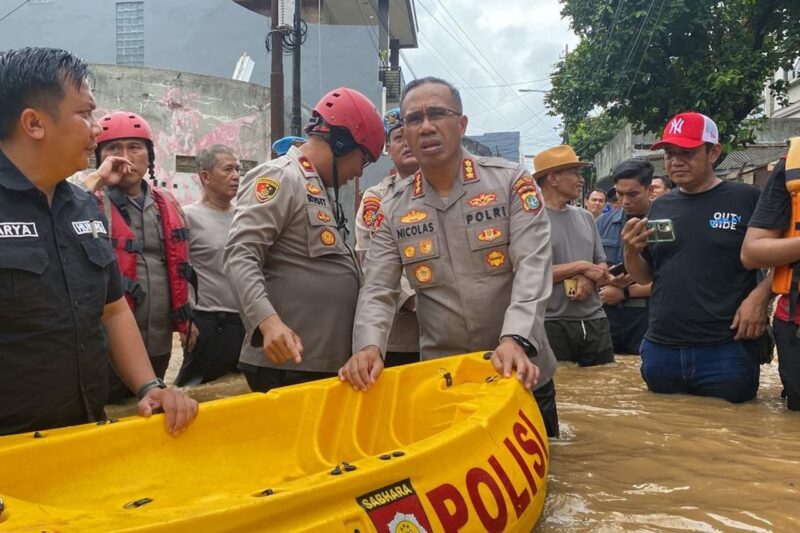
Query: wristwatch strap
point(155, 383)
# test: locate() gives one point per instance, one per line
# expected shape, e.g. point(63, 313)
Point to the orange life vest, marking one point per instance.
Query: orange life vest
point(783, 278)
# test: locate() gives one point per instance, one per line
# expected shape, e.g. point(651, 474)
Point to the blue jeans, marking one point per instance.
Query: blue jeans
point(729, 371)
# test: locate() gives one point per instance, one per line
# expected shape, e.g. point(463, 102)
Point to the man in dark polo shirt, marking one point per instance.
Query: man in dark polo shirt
point(62, 314)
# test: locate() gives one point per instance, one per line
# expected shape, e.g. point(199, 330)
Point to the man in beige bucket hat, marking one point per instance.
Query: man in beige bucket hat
point(576, 324)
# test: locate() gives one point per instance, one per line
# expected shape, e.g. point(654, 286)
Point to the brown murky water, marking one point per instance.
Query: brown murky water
point(631, 460)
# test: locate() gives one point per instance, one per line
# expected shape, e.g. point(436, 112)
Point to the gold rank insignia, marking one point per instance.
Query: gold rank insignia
point(426, 247)
point(469, 171)
point(323, 216)
point(489, 235)
point(413, 216)
point(495, 258)
point(305, 163)
point(327, 237)
point(266, 189)
point(417, 187)
point(423, 273)
point(313, 189)
point(482, 200)
point(409, 251)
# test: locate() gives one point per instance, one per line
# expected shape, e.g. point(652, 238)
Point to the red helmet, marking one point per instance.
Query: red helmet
point(351, 110)
point(124, 125)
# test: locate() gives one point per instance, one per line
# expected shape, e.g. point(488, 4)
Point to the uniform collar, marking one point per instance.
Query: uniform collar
point(11, 177)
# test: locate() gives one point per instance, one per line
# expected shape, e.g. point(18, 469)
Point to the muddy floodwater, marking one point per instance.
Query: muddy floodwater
point(631, 460)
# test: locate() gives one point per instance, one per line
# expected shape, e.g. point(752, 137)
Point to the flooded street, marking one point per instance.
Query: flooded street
point(631, 460)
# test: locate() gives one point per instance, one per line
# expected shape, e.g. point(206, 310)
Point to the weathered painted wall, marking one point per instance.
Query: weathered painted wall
point(187, 112)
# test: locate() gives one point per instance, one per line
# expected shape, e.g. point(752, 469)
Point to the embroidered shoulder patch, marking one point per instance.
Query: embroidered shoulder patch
point(266, 189)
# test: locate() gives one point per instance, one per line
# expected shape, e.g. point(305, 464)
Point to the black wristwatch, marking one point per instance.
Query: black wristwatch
point(626, 293)
point(525, 344)
point(155, 383)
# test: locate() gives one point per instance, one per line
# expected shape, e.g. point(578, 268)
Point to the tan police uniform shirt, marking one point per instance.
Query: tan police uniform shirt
point(480, 262)
point(284, 255)
point(404, 336)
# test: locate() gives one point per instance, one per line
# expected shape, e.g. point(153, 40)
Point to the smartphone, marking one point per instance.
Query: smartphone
point(664, 230)
point(616, 270)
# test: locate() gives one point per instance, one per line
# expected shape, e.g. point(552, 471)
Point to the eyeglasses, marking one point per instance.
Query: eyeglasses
point(434, 114)
point(366, 157)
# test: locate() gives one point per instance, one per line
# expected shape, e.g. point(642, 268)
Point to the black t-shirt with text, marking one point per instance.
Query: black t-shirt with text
point(698, 279)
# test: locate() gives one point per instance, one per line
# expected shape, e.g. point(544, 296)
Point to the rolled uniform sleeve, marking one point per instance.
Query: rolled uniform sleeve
point(256, 225)
point(532, 260)
point(378, 298)
point(114, 290)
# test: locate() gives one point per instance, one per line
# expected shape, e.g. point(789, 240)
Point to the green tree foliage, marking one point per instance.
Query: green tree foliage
point(642, 61)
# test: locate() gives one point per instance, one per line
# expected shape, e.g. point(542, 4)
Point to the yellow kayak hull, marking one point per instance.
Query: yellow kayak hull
point(443, 445)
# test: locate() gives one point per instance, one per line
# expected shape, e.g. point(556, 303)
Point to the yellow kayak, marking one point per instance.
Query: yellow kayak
point(443, 445)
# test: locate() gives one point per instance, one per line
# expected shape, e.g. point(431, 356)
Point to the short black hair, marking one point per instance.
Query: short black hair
point(36, 77)
point(667, 182)
point(639, 169)
point(433, 79)
point(597, 189)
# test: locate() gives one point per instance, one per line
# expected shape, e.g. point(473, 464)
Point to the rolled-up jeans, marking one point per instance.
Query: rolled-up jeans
point(729, 371)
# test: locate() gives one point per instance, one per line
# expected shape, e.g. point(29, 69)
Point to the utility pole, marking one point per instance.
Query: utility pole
point(296, 116)
point(276, 77)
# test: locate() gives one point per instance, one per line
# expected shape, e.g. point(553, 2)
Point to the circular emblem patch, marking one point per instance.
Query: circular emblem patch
point(423, 273)
point(327, 237)
point(530, 201)
point(495, 258)
point(409, 251)
point(323, 216)
point(313, 189)
point(426, 247)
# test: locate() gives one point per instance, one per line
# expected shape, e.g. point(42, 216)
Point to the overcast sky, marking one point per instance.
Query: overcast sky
point(521, 39)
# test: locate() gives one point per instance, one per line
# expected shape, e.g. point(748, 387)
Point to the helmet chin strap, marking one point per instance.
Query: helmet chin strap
point(338, 211)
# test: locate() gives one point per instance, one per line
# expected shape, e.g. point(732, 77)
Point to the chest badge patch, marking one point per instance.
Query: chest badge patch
point(490, 234)
point(20, 229)
point(323, 216)
point(426, 247)
point(482, 200)
point(328, 237)
point(495, 258)
point(413, 216)
point(423, 273)
point(313, 189)
point(266, 189)
point(409, 251)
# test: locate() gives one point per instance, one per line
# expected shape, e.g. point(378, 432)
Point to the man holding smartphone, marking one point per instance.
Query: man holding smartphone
point(706, 310)
point(625, 301)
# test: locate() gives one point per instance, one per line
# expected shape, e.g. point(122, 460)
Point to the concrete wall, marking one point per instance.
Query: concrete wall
point(187, 112)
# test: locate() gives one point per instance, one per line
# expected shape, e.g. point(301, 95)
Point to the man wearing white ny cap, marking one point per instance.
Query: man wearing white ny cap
point(707, 314)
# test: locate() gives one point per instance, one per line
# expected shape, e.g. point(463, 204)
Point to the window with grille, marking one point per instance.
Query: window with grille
point(130, 33)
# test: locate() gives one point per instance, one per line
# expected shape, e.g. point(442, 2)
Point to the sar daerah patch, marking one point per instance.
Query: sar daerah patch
point(266, 189)
point(369, 213)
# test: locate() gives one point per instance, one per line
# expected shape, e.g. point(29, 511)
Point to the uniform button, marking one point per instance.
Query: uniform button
point(75, 303)
point(482, 160)
point(82, 347)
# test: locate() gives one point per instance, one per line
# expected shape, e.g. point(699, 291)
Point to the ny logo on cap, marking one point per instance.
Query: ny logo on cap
point(676, 126)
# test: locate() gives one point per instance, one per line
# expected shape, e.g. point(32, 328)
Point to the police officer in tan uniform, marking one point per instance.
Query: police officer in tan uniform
point(294, 277)
point(403, 344)
point(472, 236)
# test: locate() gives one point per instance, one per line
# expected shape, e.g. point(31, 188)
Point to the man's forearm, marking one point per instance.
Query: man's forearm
point(126, 348)
point(770, 251)
point(568, 270)
point(638, 268)
point(637, 290)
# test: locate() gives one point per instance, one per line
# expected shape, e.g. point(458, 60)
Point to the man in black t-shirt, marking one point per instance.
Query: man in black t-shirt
point(706, 308)
point(764, 246)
